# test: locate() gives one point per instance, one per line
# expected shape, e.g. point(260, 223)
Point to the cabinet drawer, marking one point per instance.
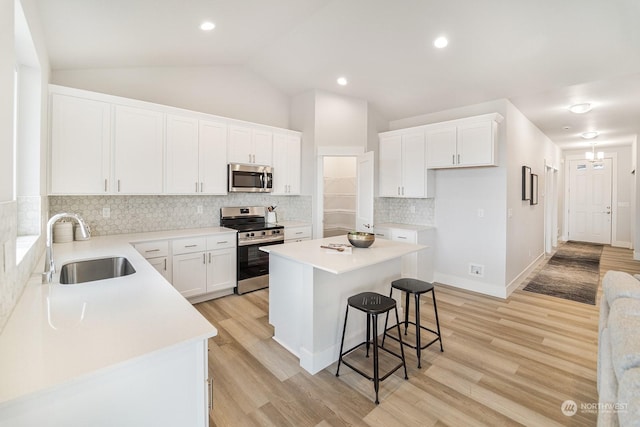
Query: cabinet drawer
point(188, 245)
point(153, 249)
point(221, 241)
point(407, 236)
point(383, 233)
point(297, 233)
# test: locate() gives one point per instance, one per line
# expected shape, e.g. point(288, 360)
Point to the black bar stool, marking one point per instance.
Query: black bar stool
point(373, 304)
point(417, 288)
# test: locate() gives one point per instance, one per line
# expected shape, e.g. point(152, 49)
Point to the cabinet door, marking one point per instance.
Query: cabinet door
point(221, 269)
point(262, 147)
point(213, 157)
point(413, 165)
point(182, 155)
point(390, 177)
point(286, 164)
point(190, 273)
point(441, 147)
point(161, 264)
point(239, 147)
point(80, 142)
point(476, 144)
point(138, 151)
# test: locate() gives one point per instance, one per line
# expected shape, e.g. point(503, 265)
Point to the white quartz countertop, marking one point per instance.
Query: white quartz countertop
point(59, 334)
point(310, 252)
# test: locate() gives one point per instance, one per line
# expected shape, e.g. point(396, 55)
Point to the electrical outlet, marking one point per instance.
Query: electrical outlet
point(106, 212)
point(476, 270)
point(480, 213)
point(199, 209)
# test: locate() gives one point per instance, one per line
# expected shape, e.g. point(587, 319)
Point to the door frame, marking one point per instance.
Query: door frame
point(321, 153)
point(614, 194)
point(550, 208)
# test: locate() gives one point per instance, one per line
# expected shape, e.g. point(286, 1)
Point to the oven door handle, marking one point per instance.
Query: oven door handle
point(279, 239)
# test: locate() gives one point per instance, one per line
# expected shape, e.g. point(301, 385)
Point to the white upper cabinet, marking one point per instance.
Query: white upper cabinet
point(213, 157)
point(248, 145)
point(138, 150)
point(196, 156)
point(403, 171)
point(182, 155)
point(463, 143)
point(80, 145)
point(286, 164)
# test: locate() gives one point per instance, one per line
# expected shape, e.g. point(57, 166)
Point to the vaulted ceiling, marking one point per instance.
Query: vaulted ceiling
point(543, 55)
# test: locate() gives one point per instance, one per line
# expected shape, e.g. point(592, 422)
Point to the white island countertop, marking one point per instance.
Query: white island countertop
point(59, 334)
point(311, 253)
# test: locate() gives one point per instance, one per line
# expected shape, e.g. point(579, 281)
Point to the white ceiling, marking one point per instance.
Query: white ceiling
point(542, 54)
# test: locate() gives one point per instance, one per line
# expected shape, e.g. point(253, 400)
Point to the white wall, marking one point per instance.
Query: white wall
point(526, 146)
point(229, 91)
point(340, 121)
point(14, 278)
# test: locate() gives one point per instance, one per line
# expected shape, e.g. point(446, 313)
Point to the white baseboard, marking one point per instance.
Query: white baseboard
point(471, 285)
point(515, 283)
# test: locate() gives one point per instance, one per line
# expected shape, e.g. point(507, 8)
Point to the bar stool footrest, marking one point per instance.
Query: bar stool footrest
point(367, 376)
point(436, 339)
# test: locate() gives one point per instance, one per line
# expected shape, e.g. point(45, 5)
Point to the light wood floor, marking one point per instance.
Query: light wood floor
point(505, 362)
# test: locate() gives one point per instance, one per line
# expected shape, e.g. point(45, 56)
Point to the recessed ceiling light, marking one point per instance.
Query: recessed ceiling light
point(441, 42)
point(580, 108)
point(342, 81)
point(589, 135)
point(207, 26)
point(566, 127)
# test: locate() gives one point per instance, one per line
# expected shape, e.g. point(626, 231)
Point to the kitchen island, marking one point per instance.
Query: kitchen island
point(309, 287)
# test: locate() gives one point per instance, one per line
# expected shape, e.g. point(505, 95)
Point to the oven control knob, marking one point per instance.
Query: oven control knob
point(249, 234)
point(264, 233)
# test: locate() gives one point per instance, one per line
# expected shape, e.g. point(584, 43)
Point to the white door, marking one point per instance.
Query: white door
point(364, 203)
point(590, 201)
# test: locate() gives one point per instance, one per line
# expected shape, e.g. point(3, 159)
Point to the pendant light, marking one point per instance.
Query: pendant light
point(592, 156)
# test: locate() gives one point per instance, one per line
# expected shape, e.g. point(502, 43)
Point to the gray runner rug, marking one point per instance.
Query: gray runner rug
point(572, 273)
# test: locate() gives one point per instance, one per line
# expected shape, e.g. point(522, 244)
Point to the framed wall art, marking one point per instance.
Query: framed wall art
point(534, 189)
point(526, 183)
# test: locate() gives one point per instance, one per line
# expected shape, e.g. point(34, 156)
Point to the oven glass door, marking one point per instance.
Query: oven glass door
point(252, 262)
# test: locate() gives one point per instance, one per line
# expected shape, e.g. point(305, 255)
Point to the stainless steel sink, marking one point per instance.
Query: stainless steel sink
point(95, 269)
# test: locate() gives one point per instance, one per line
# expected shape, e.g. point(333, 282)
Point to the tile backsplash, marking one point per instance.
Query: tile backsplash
point(135, 214)
point(391, 209)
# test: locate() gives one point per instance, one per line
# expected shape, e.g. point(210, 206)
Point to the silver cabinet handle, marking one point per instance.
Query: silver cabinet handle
point(190, 246)
point(458, 158)
point(222, 242)
point(209, 257)
point(165, 264)
point(299, 232)
point(204, 258)
point(402, 237)
point(201, 186)
point(453, 159)
point(105, 185)
point(153, 250)
point(118, 186)
point(196, 187)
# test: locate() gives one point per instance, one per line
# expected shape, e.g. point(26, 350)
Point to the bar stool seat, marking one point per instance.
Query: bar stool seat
point(373, 304)
point(416, 288)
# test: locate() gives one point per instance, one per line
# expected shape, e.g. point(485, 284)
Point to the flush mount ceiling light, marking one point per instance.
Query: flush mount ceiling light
point(342, 81)
point(580, 108)
point(589, 135)
point(207, 26)
point(441, 42)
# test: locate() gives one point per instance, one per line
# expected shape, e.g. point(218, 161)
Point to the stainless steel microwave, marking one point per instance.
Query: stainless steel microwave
point(250, 178)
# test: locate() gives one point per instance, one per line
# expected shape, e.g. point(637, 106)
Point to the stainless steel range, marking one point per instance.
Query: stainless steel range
point(253, 231)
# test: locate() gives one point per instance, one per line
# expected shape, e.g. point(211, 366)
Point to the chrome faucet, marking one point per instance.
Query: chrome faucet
point(49, 266)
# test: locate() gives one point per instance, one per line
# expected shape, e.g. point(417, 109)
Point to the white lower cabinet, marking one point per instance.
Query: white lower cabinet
point(157, 254)
point(297, 233)
point(418, 265)
point(205, 266)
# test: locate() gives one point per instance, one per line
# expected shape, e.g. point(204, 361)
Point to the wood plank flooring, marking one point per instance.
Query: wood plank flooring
point(505, 362)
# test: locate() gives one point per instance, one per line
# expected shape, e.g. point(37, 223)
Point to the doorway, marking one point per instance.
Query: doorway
point(590, 200)
point(339, 176)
